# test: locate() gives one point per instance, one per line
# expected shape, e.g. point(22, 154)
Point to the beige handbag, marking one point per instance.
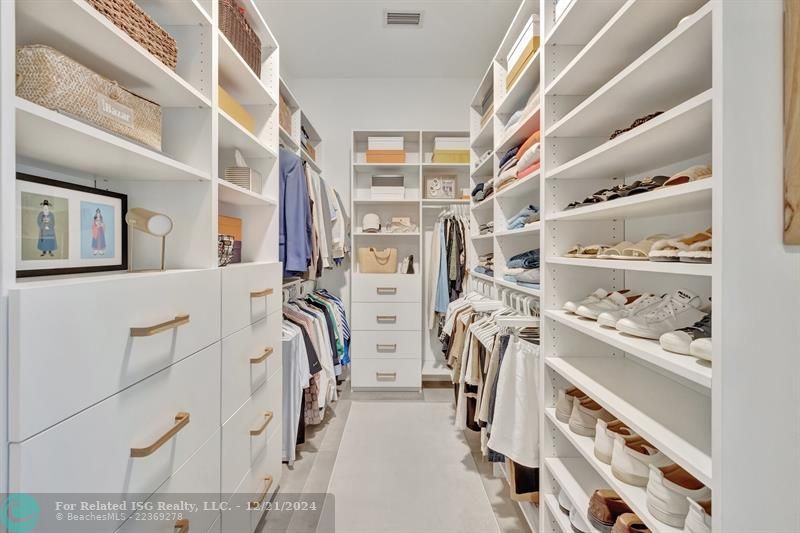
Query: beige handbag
point(372, 261)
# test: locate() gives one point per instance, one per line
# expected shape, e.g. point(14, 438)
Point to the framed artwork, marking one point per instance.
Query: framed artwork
point(63, 228)
point(440, 187)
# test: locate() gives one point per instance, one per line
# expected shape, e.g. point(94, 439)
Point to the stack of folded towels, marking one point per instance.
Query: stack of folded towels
point(486, 264)
point(482, 191)
point(523, 269)
point(527, 215)
point(486, 228)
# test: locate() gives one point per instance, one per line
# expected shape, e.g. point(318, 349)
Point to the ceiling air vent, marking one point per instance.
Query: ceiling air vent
point(403, 18)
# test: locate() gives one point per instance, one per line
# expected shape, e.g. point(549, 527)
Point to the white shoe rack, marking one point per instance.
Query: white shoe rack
point(603, 64)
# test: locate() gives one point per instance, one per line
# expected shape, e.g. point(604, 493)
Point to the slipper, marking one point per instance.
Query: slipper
point(615, 252)
point(698, 252)
point(646, 185)
point(641, 250)
point(695, 173)
point(668, 249)
point(593, 250)
point(574, 251)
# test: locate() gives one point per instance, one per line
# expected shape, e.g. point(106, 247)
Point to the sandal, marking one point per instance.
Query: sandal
point(636, 123)
point(614, 252)
point(695, 173)
point(641, 250)
point(669, 249)
point(593, 250)
point(698, 252)
point(646, 185)
point(575, 251)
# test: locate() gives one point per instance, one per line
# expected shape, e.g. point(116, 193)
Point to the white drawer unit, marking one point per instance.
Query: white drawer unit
point(249, 357)
point(250, 292)
point(130, 443)
point(246, 434)
point(83, 340)
point(386, 287)
point(386, 344)
point(386, 316)
point(388, 373)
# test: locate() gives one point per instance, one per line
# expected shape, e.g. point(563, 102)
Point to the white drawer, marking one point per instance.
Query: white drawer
point(241, 449)
point(386, 288)
point(379, 344)
point(241, 377)
point(91, 452)
point(386, 316)
point(72, 344)
point(387, 374)
point(194, 482)
point(252, 487)
point(246, 296)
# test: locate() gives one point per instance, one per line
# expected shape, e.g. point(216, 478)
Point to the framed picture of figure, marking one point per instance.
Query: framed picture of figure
point(63, 228)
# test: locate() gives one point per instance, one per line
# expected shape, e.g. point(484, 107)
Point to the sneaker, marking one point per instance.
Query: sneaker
point(605, 434)
point(609, 319)
point(564, 404)
point(564, 502)
point(699, 518)
point(577, 522)
point(584, 417)
point(596, 296)
point(631, 459)
point(701, 348)
point(678, 310)
point(678, 341)
point(613, 302)
point(629, 523)
point(605, 506)
point(667, 491)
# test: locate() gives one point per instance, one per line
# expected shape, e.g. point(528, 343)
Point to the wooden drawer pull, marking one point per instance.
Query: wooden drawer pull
point(386, 318)
point(261, 358)
point(386, 347)
point(386, 376)
point(261, 294)
point(260, 429)
point(149, 331)
point(387, 290)
point(181, 421)
point(267, 485)
point(182, 526)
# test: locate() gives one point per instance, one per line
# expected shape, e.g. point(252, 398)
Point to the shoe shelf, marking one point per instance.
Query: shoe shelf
point(239, 79)
point(46, 135)
point(674, 69)
point(635, 497)
point(233, 194)
point(676, 419)
point(519, 288)
point(233, 136)
point(676, 135)
point(578, 481)
point(581, 20)
point(524, 129)
point(530, 229)
point(551, 503)
point(676, 268)
point(685, 198)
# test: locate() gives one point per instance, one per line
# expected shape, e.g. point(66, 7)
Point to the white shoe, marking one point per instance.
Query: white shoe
point(631, 459)
point(577, 522)
point(699, 518)
point(613, 302)
point(564, 502)
point(605, 433)
point(584, 417)
point(680, 309)
point(596, 296)
point(678, 341)
point(566, 397)
point(667, 491)
point(609, 319)
point(701, 348)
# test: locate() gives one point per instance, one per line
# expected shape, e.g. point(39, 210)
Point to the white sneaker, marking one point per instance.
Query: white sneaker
point(605, 433)
point(631, 459)
point(577, 522)
point(678, 341)
point(564, 502)
point(699, 518)
point(667, 491)
point(609, 319)
point(566, 397)
point(596, 296)
point(680, 309)
point(701, 348)
point(584, 417)
point(613, 302)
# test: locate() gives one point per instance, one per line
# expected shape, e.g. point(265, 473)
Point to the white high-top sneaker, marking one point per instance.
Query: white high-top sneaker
point(609, 319)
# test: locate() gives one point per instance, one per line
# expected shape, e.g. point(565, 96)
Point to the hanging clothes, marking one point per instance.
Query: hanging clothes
point(446, 267)
point(296, 372)
point(295, 216)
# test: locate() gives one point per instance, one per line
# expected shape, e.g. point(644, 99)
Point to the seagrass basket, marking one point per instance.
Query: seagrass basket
point(234, 25)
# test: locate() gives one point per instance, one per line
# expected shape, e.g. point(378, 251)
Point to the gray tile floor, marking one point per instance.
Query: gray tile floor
point(313, 470)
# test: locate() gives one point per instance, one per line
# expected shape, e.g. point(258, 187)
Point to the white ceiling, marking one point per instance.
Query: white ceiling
point(347, 38)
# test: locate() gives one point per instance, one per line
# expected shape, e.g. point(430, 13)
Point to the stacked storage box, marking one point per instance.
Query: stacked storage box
point(385, 150)
point(523, 50)
point(451, 150)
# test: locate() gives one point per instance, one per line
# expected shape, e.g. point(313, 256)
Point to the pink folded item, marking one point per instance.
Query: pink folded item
point(528, 171)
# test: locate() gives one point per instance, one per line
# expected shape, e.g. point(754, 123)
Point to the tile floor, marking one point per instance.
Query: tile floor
point(394, 463)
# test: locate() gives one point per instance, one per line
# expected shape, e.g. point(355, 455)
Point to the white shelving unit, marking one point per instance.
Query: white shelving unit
point(292, 138)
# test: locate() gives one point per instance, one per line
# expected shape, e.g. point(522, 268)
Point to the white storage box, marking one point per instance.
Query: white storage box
point(451, 143)
point(530, 30)
point(244, 177)
point(385, 143)
point(388, 187)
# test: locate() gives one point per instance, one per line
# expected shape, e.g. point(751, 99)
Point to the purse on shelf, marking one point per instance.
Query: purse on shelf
point(372, 261)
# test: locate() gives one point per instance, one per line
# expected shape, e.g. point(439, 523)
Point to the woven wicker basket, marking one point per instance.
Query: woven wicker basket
point(131, 19)
point(47, 77)
point(234, 25)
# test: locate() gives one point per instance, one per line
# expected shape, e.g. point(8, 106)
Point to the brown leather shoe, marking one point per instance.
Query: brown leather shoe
point(629, 523)
point(605, 506)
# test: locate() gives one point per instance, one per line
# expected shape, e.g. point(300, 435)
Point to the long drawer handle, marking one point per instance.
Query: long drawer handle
point(386, 347)
point(260, 429)
point(268, 484)
point(386, 318)
point(182, 526)
point(392, 376)
point(181, 421)
point(149, 331)
point(263, 357)
point(261, 294)
point(387, 290)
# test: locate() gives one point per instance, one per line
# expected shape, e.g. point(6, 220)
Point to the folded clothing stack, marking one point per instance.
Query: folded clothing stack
point(485, 264)
point(482, 191)
point(523, 269)
point(527, 215)
point(486, 228)
point(530, 104)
